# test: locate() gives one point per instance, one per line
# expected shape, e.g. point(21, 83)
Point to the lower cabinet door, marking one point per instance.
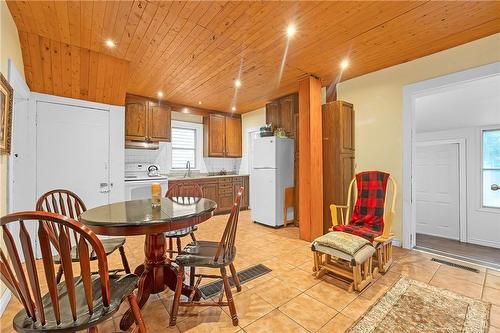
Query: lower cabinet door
point(225, 202)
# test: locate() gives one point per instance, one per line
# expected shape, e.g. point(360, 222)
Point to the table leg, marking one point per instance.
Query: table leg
point(155, 275)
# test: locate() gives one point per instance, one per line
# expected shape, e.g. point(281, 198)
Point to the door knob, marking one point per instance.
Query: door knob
point(495, 187)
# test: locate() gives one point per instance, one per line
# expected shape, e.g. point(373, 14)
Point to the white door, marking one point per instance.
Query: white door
point(437, 184)
point(73, 151)
point(263, 185)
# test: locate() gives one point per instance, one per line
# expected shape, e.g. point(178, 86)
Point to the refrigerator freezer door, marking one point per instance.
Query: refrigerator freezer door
point(264, 155)
point(263, 185)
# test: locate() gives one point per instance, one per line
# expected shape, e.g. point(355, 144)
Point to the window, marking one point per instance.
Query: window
point(491, 168)
point(183, 147)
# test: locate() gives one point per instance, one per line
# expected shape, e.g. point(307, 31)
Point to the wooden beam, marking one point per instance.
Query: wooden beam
point(311, 159)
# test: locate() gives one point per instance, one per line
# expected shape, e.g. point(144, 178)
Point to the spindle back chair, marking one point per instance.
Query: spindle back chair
point(69, 204)
point(81, 301)
point(213, 255)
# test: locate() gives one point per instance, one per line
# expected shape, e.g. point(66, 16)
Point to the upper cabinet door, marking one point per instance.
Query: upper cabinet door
point(233, 137)
point(136, 114)
point(347, 124)
point(273, 114)
point(288, 106)
point(214, 132)
point(159, 122)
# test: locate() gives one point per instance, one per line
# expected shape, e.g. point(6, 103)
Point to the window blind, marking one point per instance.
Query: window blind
point(183, 147)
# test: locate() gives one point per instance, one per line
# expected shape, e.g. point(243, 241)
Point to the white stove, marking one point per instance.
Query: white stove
point(138, 180)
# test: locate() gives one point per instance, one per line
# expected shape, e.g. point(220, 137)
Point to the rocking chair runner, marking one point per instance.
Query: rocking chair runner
point(369, 218)
point(80, 302)
point(214, 255)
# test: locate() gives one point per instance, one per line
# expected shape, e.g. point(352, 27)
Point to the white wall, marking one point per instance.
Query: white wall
point(249, 120)
point(483, 225)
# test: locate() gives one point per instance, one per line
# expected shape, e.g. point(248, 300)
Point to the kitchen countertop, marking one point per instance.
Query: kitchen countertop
point(204, 176)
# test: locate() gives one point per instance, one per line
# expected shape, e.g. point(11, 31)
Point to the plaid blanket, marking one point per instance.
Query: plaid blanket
point(367, 219)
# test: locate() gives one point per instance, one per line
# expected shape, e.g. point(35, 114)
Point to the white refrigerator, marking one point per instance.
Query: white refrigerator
point(272, 171)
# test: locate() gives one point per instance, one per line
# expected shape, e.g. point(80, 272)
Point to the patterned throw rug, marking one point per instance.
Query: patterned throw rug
point(413, 306)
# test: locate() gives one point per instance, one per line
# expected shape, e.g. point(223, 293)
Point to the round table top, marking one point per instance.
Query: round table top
point(138, 217)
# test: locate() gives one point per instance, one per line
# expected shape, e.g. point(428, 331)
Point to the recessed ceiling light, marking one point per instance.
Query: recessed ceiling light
point(344, 64)
point(237, 83)
point(109, 43)
point(233, 108)
point(199, 102)
point(185, 110)
point(160, 94)
point(290, 31)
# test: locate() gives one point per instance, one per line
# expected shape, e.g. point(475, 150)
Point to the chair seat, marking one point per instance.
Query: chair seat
point(359, 230)
point(110, 246)
point(181, 232)
point(201, 254)
point(120, 286)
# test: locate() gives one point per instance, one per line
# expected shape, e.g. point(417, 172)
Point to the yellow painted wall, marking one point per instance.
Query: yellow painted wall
point(256, 118)
point(10, 48)
point(378, 101)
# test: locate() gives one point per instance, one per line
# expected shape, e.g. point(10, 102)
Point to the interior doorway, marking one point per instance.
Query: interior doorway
point(454, 165)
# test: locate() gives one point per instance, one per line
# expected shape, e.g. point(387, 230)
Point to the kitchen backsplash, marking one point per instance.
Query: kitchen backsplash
point(163, 155)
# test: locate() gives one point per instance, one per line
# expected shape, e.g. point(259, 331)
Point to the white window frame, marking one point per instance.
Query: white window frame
point(482, 207)
point(200, 163)
point(195, 149)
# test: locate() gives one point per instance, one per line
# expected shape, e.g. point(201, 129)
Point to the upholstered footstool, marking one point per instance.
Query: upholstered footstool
point(348, 257)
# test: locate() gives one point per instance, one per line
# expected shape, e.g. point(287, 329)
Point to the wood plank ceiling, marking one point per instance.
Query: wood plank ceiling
point(193, 51)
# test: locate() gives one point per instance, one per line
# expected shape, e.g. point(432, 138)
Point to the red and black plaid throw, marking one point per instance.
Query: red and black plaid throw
point(367, 219)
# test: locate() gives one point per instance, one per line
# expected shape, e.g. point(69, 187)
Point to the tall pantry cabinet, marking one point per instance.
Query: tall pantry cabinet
point(338, 155)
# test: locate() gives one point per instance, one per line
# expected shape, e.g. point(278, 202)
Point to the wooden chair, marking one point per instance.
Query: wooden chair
point(81, 301)
point(183, 192)
point(383, 242)
point(69, 204)
point(289, 199)
point(213, 255)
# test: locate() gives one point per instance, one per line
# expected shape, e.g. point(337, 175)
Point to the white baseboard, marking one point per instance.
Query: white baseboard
point(4, 300)
point(396, 242)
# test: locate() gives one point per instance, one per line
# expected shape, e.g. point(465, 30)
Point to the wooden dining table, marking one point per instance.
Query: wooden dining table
point(140, 217)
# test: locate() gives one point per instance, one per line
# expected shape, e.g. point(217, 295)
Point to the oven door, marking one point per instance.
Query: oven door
point(141, 189)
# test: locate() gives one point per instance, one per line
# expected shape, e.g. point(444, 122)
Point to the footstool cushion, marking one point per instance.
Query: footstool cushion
point(345, 246)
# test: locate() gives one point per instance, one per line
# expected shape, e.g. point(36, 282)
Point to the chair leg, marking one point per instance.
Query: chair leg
point(124, 259)
point(192, 272)
point(132, 300)
point(177, 296)
point(179, 247)
point(170, 247)
point(236, 278)
point(192, 236)
point(59, 274)
point(229, 296)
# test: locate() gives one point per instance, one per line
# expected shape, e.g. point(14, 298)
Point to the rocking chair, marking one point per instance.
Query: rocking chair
point(369, 217)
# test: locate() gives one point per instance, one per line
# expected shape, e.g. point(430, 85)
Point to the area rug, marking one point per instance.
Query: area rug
point(413, 306)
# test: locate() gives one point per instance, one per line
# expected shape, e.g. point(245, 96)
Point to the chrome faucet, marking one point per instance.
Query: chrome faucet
point(188, 171)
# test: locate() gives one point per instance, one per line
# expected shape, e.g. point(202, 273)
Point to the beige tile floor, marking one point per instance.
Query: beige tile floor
point(290, 299)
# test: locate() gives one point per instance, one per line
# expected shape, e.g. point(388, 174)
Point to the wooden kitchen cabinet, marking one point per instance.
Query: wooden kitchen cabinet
point(136, 115)
point(222, 190)
point(338, 155)
point(233, 137)
point(281, 114)
point(146, 119)
point(221, 136)
point(159, 123)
